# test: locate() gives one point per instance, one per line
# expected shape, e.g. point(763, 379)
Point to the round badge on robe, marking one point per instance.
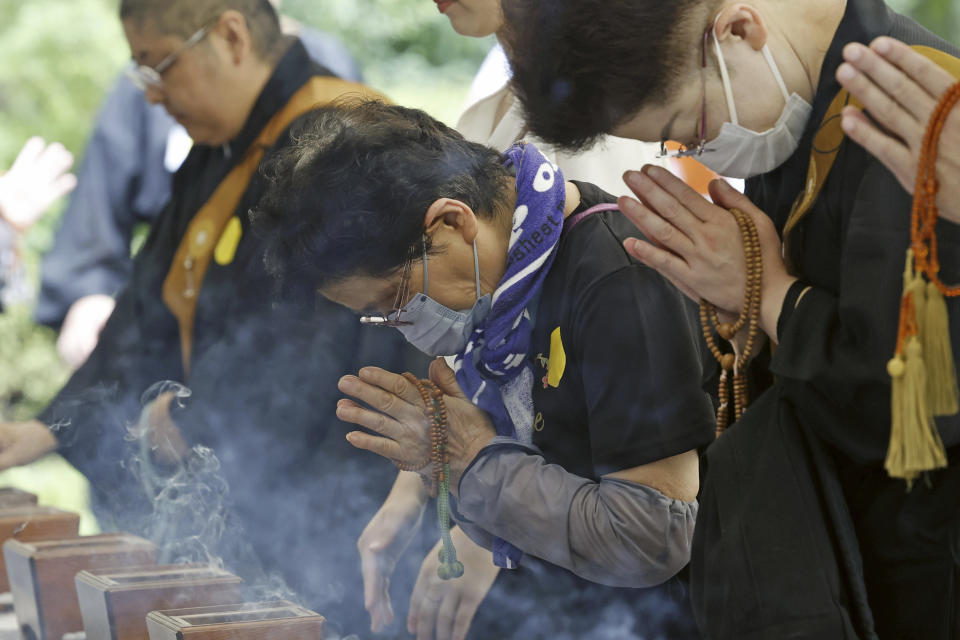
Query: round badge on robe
point(227, 245)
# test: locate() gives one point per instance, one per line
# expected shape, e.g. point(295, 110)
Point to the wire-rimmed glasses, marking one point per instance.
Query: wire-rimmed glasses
point(143, 76)
point(685, 152)
point(403, 292)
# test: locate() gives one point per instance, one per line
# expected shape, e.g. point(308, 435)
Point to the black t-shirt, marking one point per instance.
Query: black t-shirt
point(629, 393)
point(615, 350)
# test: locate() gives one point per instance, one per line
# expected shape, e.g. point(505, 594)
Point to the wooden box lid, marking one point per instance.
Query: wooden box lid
point(103, 543)
point(276, 620)
point(155, 577)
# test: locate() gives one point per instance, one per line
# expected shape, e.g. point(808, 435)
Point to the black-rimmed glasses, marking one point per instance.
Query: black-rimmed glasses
point(684, 152)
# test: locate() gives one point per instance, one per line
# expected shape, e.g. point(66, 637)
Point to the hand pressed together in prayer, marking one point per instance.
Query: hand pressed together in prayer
point(398, 414)
point(900, 89)
point(697, 245)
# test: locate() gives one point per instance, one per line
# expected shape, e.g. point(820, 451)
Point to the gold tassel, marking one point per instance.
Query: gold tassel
point(934, 330)
point(915, 445)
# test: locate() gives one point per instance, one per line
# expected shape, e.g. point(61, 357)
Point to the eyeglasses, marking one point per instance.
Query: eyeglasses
point(403, 292)
point(684, 152)
point(143, 76)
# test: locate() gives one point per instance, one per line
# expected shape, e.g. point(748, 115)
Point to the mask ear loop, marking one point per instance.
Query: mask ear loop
point(476, 266)
point(727, 88)
point(776, 72)
point(426, 277)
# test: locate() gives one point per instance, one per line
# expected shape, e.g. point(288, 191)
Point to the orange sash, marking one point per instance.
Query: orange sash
point(184, 281)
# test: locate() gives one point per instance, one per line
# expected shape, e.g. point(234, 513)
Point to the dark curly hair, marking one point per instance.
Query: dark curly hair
point(347, 195)
point(580, 68)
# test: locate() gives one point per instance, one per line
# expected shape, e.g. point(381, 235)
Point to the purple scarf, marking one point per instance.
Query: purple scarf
point(498, 348)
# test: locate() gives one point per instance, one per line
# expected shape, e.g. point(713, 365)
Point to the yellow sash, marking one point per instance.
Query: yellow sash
point(829, 138)
point(185, 279)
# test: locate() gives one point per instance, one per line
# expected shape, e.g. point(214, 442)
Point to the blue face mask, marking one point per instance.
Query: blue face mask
point(437, 330)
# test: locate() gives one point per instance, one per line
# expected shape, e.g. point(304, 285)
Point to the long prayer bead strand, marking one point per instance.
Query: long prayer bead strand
point(749, 317)
point(435, 410)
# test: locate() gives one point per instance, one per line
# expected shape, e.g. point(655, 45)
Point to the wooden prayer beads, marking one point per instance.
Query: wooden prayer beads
point(435, 410)
point(749, 317)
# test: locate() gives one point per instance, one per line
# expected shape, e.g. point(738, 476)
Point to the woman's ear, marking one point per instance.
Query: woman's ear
point(742, 21)
point(451, 216)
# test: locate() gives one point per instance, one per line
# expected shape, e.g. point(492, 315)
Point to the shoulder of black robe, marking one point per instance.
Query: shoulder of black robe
point(778, 549)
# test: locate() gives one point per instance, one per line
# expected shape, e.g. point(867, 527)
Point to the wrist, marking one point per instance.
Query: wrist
point(771, 303)
point(460, 466)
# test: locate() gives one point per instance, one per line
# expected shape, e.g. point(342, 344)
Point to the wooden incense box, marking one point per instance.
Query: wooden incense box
point(114, 603)
point(11, 497)
point(42, 576)
point(30, 522)
point(279, 620)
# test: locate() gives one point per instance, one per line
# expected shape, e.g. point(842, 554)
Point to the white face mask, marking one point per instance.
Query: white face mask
point(738, 152)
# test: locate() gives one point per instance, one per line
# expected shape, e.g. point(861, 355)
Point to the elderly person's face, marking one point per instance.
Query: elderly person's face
point(202, 89)
point(475, 18)
point(452, 228)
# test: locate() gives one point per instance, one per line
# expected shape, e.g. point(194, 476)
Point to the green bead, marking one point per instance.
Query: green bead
point(456, 569)
point(443, 571)
point(442, 555)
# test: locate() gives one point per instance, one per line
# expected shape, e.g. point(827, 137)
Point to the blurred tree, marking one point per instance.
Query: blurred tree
point(940, 16)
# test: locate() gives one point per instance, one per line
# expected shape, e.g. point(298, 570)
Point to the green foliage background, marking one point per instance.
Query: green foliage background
point(58, 57)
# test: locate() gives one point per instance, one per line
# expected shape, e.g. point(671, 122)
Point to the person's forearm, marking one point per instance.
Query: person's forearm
point(613, 532)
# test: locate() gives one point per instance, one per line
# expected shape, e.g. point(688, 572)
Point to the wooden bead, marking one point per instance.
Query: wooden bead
point(726, 331)
point(727, 362)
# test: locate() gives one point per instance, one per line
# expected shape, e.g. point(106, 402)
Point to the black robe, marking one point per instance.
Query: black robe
point(801, 533)
point(264, 390)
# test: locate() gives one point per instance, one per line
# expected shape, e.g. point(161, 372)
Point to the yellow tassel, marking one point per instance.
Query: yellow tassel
point(915, 445)
point(934, 330)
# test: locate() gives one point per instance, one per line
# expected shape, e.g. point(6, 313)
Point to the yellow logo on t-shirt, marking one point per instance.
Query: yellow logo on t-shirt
point(558, 360)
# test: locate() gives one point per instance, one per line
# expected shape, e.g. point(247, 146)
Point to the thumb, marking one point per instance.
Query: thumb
point(725, 196)
point(443, 376)
point(729, 198)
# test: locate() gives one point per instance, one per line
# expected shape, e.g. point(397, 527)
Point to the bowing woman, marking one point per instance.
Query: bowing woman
point(572, 436)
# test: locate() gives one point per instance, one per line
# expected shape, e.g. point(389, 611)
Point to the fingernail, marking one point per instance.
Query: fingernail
point(633, 178)
point(882, 46)
point(848, 124)
point(846, 73)
point(852, 52)
point(653, 171)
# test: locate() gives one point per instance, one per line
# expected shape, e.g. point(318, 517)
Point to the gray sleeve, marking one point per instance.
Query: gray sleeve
point(614, 532)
